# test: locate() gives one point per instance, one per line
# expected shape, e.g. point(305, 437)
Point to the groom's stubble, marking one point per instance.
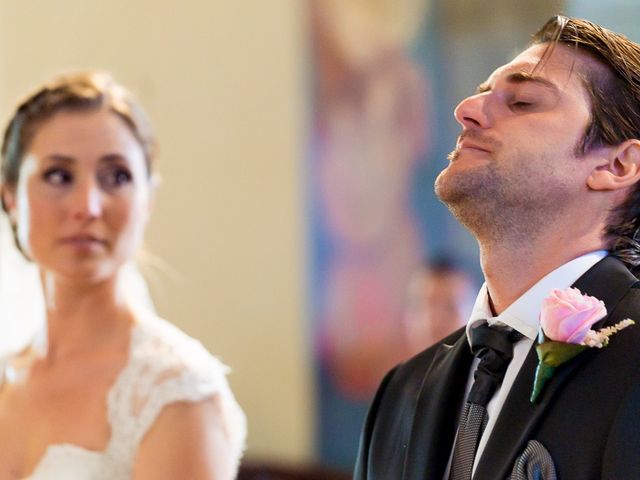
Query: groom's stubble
point(503, 201)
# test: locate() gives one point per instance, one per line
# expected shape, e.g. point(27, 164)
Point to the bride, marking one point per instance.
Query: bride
point(111, 391)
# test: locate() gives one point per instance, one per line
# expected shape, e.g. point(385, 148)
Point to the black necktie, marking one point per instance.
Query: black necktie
point(494, 348)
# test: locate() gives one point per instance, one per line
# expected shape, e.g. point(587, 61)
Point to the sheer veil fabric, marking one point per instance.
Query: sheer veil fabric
point(22, 302)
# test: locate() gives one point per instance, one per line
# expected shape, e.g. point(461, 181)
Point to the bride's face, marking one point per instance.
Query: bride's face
point(83, 195)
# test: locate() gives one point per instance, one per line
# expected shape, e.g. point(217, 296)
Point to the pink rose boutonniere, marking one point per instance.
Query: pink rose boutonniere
point(566, 319)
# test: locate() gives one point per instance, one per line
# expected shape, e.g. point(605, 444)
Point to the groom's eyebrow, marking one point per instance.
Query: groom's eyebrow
point(524, 77)
point(521, 77)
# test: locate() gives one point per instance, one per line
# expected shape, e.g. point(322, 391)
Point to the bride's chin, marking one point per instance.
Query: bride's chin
point(82, 275)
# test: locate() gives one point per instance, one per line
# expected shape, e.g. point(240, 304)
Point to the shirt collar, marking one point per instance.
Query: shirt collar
point(522, 315)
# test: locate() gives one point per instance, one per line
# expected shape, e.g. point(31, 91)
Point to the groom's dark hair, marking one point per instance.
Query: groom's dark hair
point(614, 92)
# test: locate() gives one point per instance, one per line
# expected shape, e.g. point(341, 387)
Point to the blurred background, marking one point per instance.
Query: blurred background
point(296, 232)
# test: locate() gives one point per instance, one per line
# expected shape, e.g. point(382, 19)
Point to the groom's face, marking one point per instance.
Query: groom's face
point(520, 132)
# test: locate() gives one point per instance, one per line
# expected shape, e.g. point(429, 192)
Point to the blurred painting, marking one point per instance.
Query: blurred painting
point(386, 76)
point(370, 133)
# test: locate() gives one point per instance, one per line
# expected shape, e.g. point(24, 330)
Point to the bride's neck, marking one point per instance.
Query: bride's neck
point(84, 316)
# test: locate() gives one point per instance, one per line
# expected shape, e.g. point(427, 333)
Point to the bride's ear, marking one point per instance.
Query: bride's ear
point(620, 168)
point(8, 196)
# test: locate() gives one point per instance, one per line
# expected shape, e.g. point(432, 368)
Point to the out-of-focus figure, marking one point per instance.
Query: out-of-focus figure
point(107, 390)
point(440, 297)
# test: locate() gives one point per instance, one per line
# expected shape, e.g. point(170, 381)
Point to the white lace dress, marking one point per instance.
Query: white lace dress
point(164, 366)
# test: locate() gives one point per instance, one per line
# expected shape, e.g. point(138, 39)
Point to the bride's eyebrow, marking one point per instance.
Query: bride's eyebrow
point(113, 158)
point(60, 158)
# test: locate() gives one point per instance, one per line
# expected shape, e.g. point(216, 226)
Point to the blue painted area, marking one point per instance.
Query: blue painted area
point(339, 423)
point(618, 15)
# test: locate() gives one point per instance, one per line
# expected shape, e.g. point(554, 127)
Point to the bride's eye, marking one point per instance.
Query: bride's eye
point(57, 176)
point(115, 177)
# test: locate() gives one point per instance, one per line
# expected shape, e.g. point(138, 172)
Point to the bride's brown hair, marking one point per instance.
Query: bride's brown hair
point(76, 92)
point(82, 91)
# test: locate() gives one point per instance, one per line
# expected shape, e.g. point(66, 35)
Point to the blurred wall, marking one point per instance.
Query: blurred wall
point(223, 82)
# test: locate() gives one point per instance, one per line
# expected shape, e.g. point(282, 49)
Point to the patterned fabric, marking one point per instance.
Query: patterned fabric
point(473, 421)
point(164, 366)
point(535, 463)
point(494, 348)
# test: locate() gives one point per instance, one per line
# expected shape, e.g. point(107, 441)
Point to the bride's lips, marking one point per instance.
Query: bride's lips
point(83, 241)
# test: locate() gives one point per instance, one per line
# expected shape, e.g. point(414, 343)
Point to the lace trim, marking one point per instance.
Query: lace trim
point(165, 366)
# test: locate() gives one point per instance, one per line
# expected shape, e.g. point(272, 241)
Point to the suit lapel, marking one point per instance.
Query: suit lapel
point(437, 410)
point(609, 280)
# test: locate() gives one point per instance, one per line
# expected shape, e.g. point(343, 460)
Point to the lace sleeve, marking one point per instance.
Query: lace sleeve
point(166, 366)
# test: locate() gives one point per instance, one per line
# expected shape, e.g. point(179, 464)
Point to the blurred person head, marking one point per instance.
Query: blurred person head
point(76, 175)
point(440, 297)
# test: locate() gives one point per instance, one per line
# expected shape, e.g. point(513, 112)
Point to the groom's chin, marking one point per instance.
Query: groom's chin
point(456, 186)
point(450, 185)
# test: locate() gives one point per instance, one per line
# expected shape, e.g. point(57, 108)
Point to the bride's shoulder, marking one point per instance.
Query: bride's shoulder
point(167, 367)
point(159, 347)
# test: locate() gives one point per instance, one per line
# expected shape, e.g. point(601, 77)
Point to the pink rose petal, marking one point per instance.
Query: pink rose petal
point(567, 315)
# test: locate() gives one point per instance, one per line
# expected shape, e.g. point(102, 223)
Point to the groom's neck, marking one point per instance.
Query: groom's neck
point(510, 270)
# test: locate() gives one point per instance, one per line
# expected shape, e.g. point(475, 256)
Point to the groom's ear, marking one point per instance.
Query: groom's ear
point(620, 169)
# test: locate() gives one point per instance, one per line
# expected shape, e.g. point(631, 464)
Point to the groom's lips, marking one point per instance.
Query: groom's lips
point(471, 145)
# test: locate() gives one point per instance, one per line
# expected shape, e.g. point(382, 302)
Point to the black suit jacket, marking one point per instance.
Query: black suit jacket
point(588, 416)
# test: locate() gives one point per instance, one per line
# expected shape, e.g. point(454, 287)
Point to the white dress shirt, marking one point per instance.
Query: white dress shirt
point(523, 316)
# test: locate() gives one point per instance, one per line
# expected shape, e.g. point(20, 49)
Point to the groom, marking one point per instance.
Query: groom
point(545, 174)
